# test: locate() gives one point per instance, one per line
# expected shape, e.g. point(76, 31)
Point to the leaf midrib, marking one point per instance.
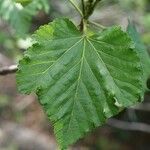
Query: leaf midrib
point(78, 82)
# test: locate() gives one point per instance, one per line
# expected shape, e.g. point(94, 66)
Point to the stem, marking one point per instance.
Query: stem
point(76, 7)
point(84, 25)
point(98, 25)
point(82, 19)
point(83, 7)
point(89, 8)
point(96, 2)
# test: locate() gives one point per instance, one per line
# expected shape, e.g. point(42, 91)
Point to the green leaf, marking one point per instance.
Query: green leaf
point(80, 80)
point(20, 17)
point(23, 2)
point(142, 51)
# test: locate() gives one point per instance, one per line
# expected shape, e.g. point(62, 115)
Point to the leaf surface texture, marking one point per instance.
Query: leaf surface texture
point(80, 80)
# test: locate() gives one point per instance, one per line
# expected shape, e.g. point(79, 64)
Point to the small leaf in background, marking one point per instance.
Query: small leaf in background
point(20, 17)
point(23, 2)
point(142, 51)
point(80, 80)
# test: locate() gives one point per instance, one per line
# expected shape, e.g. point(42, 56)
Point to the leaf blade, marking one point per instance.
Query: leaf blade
point(78, 90)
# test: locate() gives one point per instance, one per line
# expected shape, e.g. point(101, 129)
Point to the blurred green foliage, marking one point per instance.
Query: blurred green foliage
point(16, 22)
point(19, 16)
point(141, 7)
point(23, 2)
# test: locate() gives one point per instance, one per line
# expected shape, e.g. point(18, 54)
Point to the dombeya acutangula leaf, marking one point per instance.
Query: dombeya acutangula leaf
point(80, 79)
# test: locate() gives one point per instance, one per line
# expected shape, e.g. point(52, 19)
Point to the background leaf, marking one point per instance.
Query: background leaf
point(23, 2)
point(20, 16)
point(142, 51)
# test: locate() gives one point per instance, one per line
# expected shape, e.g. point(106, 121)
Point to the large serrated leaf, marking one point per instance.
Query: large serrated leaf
point(80, 80)
point(142, 51)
